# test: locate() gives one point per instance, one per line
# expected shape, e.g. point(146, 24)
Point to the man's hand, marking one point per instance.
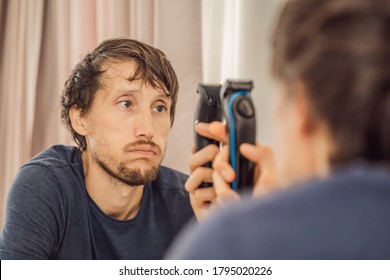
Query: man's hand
point(203, 199)
point(265, 180)
point(222, 174)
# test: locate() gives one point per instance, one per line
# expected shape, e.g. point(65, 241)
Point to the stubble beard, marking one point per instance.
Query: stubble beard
point(130, 176)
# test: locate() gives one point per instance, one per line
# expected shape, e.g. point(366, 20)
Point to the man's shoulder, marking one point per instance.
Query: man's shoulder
point(322, 195)
point(57, 156)
point(59, 163)
point(310, 219)
point(53, 175)
point(323, 218)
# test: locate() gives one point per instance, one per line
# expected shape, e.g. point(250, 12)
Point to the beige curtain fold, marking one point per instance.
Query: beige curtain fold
point(21, 36)
point(41, 40)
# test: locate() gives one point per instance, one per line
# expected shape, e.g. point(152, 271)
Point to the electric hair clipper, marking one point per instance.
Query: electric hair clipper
point(209, 109)
point(241, 128)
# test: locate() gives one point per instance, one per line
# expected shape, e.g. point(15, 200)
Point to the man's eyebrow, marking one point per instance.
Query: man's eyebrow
point(124, 91)
point(162, 95)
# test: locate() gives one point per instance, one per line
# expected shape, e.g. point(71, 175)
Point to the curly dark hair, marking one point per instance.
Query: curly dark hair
point(152, 67)
point(341, 50)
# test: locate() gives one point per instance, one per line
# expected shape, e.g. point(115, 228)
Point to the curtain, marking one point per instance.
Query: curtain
point(41, 41)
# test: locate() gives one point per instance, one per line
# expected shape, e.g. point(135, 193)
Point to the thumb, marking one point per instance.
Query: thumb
point(264, 159)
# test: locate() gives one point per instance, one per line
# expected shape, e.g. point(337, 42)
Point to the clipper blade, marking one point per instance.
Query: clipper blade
point(211, 92)
point(209, 105)
point(231, 86)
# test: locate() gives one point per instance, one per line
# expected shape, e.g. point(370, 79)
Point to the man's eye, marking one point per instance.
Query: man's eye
point(125, 104)
point(160, 108)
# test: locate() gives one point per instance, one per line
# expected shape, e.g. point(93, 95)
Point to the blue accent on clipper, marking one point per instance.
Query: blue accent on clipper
point(233, 133)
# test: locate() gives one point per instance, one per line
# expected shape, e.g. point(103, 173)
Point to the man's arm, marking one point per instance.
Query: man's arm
point(33, 215)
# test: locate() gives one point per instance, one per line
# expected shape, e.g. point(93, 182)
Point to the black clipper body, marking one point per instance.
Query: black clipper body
point(241, 127)
point(209, 109)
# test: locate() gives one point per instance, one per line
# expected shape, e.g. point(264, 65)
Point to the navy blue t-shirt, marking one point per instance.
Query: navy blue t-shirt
point(344, 216)
point(50, 215)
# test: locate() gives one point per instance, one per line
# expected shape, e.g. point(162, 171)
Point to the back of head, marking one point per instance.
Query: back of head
point(341, 50)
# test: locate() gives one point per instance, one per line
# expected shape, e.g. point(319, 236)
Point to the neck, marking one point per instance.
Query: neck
point(308, 156)
point(319, 150)
point(116, 199)
point(322, 151)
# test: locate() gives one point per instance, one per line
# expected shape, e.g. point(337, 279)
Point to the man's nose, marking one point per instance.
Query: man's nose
point(144, 124)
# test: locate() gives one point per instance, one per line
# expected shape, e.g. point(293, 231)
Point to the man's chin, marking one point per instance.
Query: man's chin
point(143, 165)
point(137, 176)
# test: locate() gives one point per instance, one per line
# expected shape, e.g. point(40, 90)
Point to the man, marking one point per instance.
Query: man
point(109, 198)
point(331, 59)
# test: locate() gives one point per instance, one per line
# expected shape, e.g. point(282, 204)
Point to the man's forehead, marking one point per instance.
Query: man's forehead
point(118, 76)
point(115, 68)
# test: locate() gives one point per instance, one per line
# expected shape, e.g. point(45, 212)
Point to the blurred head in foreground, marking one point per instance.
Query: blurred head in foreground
point(332, 63)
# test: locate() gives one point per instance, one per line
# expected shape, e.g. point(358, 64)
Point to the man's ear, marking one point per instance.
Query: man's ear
point(77, 120)
point(306, 116)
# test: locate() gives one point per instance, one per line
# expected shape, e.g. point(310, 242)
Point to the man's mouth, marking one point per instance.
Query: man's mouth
point(145, 151)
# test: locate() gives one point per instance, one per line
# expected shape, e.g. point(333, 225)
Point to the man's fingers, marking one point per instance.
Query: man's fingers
point(222, 166)
point(205, 194)
point(218, 129)
point(193, 149)
point(202, 157)
point(215, 130)
point(250, 151)
point(200, 175)
point(222, 189)
point(266, 173)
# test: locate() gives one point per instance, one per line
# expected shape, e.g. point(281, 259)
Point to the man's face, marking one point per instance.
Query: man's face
point(127, 126)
